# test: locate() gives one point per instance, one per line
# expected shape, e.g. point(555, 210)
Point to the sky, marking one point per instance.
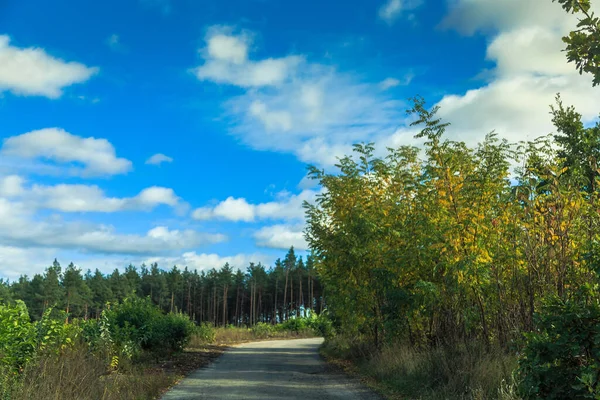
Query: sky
point(179, 131)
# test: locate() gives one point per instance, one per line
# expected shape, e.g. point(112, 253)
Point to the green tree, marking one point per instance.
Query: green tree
point(583, 44)
point(52, 295)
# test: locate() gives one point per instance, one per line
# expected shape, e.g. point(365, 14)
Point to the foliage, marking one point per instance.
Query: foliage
point(262, 330)
point(562, 358)
point(205, 333)
point(18, 339)
point(583, 44)
point(136, 324)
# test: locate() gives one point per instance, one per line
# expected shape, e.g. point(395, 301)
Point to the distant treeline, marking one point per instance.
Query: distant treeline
point(221, 297)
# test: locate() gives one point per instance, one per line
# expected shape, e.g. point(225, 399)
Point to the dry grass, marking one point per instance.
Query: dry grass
point(76, 374)
point(230, 336)
point(399, 371)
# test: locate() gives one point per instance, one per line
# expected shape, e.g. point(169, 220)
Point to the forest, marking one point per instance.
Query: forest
point(228, 296)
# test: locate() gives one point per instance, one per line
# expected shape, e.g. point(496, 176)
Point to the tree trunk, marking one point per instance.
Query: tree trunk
point(285, 308)
point(225, 289)
point(274, 318)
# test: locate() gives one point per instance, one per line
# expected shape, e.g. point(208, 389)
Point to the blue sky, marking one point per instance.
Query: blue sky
point(179, 131)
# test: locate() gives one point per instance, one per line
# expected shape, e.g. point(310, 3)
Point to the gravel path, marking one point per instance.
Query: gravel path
point(280, 369)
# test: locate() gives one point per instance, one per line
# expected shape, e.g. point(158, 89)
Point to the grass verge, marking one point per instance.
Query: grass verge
point(401, 372)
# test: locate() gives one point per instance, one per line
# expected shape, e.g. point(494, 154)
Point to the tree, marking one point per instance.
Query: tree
point(52, 294)
point(5, 296)
point(78, 295)
point(583, 44)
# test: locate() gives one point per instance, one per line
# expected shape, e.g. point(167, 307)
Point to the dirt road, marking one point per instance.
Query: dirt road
point(282, 369)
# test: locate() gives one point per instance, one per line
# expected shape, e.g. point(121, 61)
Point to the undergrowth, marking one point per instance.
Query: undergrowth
point(435, 373)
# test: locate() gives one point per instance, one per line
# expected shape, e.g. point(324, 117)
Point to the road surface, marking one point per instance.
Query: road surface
point(280, 369)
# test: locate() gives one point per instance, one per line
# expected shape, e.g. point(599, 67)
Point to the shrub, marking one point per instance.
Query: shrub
point(562, 359)
point(322, 325)
point(262, 330)
point(17, 336)
point(294, 324)
point(206, 333)
point(137, 324)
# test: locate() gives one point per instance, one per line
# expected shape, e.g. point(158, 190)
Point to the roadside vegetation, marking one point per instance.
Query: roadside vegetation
point(449, 276)
point(132, 351)
point(69, 335)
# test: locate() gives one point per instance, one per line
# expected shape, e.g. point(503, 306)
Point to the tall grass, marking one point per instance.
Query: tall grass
point(77, 374)
point(206, 334)
point(460, 372)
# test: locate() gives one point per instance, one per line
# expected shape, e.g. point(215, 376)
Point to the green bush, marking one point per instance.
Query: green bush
point(137, 324)
point(294, 324)
point(206, 332)
point(263, 330)
point(562, 359)
point(322, 325)
point(18, 336)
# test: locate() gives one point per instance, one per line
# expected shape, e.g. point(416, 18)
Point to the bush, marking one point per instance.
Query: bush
point(562, 359)
point(206, 333)
point(18, 338)
point(322, 325)
point(263, 330)
point(294, 324)
point(137, 324)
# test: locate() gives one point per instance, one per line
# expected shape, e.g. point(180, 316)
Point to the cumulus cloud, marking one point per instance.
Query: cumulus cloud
point(158, 159)
point(33, 72)
point(525, 45)
point(288, 207)
point(204, 261)
point(114, 43)
point(292, 105)
point(97, 156)
point(226, 61)
point(20, 228)
point(389, 83)
point(18, 261)
point(83, 198)
point(391, 10)
point(281, 237)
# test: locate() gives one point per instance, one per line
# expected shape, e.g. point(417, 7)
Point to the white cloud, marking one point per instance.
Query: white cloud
point(389, 83)
point(33, 72)
point(469, 16)
point(203, 261)
point(19, 227)
point(288, 207)
point(226, 61)
point(158, 159)
point(83, 198)
point(98, 156)
point(113, 40)
point(292, 105)
point(530, 69)
point(307, 183)
point(23, 261)
point(11, 186)
point(281, 237)
point(114, 43)
point(391, 10)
